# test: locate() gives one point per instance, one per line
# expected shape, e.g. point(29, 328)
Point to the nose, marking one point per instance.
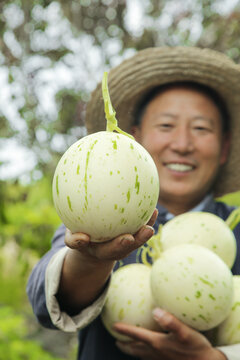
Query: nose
point(182, 141)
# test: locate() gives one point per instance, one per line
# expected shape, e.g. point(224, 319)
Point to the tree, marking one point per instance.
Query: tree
point(54, 52)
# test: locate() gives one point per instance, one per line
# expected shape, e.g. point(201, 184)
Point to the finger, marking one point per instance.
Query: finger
point(123, 245)
point(76, 240)
point(137, 333)
point(143, 235)
point(170, 323)
point(153, 218)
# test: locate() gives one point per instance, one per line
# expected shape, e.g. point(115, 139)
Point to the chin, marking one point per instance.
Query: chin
point(183, 195)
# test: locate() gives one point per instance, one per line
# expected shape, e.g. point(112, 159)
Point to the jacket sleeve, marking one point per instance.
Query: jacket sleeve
point(232, 352)
point(36, 282)
point(43, 286)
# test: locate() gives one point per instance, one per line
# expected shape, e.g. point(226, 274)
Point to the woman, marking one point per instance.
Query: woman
point(181, 104)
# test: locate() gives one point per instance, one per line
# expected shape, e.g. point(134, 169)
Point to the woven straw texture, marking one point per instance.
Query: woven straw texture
point(155, 66)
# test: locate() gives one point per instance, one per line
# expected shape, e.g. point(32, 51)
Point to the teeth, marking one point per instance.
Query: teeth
point(180, 167)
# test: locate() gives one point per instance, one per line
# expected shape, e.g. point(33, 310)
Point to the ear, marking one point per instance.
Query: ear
point(135, 132)
point(225, 148)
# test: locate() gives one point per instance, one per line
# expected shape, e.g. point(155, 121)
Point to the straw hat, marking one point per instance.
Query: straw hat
point(129, 81)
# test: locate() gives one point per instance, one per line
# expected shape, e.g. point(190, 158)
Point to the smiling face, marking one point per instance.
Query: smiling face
point(181, 129)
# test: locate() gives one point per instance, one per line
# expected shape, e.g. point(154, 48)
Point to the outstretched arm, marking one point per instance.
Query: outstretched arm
point(84, 273)
point(87, 266)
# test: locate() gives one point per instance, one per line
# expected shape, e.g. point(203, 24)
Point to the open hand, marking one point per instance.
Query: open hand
point(174, 341)
point(114, 249)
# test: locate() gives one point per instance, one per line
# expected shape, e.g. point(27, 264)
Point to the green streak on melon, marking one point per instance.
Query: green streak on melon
point(137, 184)
point(57, 189)
point(86, 170)
point(206, 282)
point(144, 214)
point(69, 203)
point(128, 196)
point(212, 297)
point(121, 314)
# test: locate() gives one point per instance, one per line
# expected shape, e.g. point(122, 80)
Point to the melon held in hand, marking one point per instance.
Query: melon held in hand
point(194, 284)
point(129, 299)
point(105, 184)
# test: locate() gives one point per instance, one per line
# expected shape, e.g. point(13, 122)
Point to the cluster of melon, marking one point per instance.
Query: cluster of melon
point(190, 277)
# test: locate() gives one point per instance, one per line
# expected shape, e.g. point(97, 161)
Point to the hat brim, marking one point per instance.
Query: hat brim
point(134, 77)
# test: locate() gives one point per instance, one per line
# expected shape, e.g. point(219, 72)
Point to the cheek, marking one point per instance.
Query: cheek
point(210, 151)
point(153, 142)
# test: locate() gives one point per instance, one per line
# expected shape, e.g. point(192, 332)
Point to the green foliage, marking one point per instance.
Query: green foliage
point(71, 113)
point(43, 43)
point(29, 215)
point(88, 37)
point(27, 223)
point(15, 265)
point(14, 344)
point(232, 199)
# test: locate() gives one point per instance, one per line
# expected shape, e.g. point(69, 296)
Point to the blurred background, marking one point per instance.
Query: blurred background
point(52, 55)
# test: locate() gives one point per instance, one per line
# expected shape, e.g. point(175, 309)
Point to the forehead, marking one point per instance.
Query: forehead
point(174, 91)
point(183, 97)
point(211, 95)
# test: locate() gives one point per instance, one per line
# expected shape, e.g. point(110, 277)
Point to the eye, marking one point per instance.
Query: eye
point(202, 125)
point(165, 126)
point(201, 128)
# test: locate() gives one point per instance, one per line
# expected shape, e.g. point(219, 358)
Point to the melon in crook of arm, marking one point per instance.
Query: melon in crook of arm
point(194, 284)
point(205, 229)
point(129, 299)
point(105, 184)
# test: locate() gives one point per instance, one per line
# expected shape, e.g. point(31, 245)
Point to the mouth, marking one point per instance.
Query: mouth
point(180, 167)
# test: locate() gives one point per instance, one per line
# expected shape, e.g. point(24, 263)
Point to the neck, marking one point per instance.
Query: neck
point(179, 206)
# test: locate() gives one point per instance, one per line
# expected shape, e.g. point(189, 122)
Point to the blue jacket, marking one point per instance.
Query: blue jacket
point(95, 343)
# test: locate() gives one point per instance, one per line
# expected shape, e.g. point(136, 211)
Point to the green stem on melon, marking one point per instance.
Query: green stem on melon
point(233, 219)
point(153, 248)
point(112, 123)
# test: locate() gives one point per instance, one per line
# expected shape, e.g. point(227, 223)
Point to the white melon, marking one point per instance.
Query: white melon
point(129, 299)
point(105, 184)
point(201, 228)
point(228, 332)
point(194, 284)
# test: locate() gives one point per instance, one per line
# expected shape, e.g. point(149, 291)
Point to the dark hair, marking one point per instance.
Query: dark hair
point(204, 89)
